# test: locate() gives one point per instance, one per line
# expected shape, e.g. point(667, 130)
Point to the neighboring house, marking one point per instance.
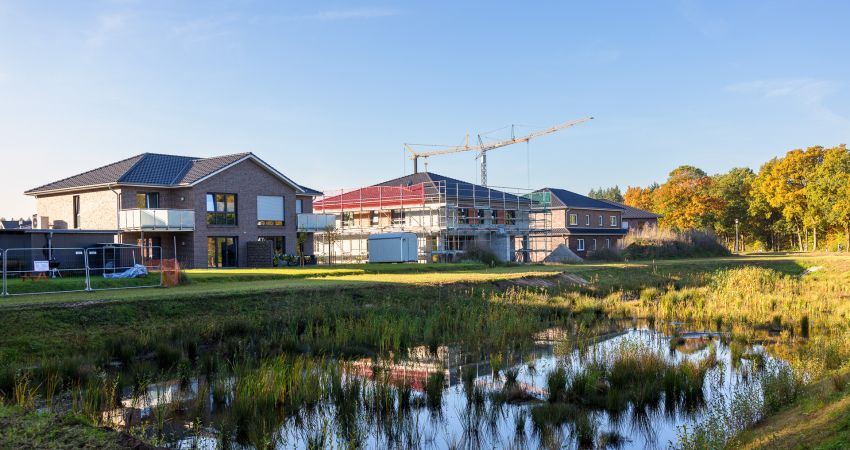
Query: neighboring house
point(634, 218)
point(581, 223)
point(201, 210)
point(447, 215)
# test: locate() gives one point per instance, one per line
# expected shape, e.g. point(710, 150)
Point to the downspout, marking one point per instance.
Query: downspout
point(117, 211)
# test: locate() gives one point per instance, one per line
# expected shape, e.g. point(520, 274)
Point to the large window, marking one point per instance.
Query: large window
point(76, 200)
point(221, 209)
point(222, 251)
point(573, 219)
point(147, 200)
point(270, 211)
point(278, 243)
point(299, 206)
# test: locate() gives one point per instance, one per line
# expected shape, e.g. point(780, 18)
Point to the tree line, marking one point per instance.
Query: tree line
point(800, 201)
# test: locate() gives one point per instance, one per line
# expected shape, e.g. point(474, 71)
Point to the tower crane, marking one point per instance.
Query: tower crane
point(482, 148)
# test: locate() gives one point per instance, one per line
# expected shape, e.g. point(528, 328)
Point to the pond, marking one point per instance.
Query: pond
point(629, 388)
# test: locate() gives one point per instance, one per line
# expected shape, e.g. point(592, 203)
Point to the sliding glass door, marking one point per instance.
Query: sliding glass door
point(222, 251)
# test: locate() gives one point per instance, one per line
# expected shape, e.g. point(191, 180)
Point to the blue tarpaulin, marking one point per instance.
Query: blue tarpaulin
point(136, 271)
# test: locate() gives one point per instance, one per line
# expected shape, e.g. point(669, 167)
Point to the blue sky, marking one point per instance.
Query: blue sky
point(327, 92)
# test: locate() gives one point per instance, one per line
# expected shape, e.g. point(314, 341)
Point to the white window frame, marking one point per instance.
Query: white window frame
point(587, 220)
point(614, 221)
point(601, 221)
point(580, 244)
point(573, 219)
point(607, 242)
point(593, 244)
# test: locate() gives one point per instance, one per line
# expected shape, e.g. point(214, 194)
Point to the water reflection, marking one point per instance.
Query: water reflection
point(448, 398)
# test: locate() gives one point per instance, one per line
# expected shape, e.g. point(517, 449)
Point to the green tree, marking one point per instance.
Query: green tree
point(734, 188)
point(612, 193)
point(828, 192)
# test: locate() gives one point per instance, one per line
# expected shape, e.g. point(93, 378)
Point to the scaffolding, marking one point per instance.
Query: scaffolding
point(447, 218)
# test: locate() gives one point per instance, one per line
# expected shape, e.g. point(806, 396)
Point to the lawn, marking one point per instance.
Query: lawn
point(606, 277)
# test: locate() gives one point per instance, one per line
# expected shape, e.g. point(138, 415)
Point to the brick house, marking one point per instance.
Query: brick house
point(635, 219)
point(204, 211)
point(581, 223)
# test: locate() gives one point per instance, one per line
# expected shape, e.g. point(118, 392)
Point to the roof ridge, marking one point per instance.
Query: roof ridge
point(140, 156)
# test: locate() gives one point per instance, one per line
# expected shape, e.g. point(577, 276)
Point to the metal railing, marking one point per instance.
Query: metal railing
point(30, 271)
point(156, 220)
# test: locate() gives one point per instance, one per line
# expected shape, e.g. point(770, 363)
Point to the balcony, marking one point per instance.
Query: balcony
point(315, 222)
point(156, 220)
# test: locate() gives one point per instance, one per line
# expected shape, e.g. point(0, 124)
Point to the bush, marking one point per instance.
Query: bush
point(605, 254)
point(480, 252)
point(655, 243)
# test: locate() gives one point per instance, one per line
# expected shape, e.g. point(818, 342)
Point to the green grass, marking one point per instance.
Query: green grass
point(20, 429)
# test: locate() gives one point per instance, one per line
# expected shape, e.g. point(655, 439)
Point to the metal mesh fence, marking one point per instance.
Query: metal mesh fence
point(48, 270)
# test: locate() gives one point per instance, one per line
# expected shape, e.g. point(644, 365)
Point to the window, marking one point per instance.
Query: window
point(147, 200)
point(375, 218)
point(464, 215)
point(510, 217)
point(593, 244)
point(221, 209)
point(613, 221)
point(483, 215)
point(76, 200)
point(607, 242)
point(278, 243)
point(398, 216)
point(587, 220)
point(270, 211)
point(601, 221)
point(580, 245)
point(222, 251)
point(299, 206)
point(573, 219)
point(151, 247)
point(347, 219)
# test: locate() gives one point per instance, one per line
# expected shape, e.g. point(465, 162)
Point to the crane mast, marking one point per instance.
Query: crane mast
point(483, 148)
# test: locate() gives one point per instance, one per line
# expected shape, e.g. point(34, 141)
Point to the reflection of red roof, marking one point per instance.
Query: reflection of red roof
point(398, 375)
point(374, 197)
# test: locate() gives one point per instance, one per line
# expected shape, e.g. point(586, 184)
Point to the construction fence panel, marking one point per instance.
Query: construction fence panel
point(29, 271)
point(44, 270)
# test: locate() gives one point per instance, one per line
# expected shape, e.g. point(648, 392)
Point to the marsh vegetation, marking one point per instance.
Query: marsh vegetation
point(685, 359)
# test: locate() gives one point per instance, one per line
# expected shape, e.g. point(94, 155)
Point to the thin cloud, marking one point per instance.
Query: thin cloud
point(810, 93)
point(353, 14)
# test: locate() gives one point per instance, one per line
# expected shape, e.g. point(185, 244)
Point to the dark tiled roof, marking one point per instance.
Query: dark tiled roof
point(452, 187)
point(630, 212)
point(109, 173)
point(589, 231)
point(150, 169)
point(569, 199)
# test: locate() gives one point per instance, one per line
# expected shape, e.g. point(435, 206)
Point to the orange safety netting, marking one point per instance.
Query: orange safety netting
point(170, 272)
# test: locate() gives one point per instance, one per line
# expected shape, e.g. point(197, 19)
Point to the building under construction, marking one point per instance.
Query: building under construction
point(448, 216)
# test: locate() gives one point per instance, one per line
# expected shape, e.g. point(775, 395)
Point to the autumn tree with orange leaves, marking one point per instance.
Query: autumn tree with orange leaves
point(687, 200)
